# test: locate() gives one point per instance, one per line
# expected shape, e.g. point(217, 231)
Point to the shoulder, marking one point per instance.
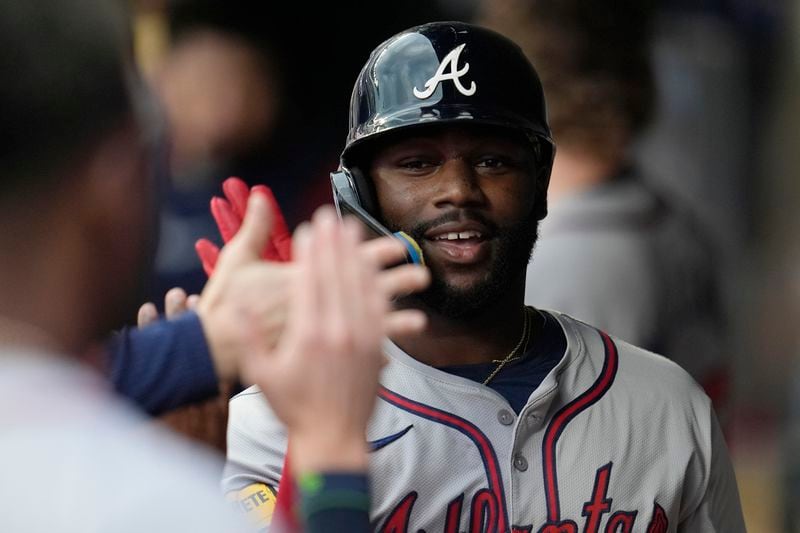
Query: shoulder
point(256, 442)
point(250, 403)
point(122, 475)
point(249, 413)
point(644, 377)
point(249, 398)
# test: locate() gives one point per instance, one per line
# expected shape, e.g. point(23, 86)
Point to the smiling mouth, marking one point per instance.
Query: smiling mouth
point(459, 236)
point(462, 247)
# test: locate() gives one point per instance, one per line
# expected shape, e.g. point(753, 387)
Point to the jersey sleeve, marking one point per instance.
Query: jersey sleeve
point(164, 365)
point(256, 445)
point(719, 508)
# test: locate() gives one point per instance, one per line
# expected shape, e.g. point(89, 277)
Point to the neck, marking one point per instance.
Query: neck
point(481, 338)
point(18, 333)
point(44, 305)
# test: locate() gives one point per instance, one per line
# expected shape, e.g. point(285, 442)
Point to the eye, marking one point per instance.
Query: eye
point(415, 164)
point(490, 162)
point(495, 163)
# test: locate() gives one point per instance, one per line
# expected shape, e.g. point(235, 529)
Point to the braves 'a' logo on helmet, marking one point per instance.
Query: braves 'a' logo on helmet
point(455, 73)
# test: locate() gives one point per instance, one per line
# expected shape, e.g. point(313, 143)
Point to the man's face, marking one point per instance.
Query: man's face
point(467, 196)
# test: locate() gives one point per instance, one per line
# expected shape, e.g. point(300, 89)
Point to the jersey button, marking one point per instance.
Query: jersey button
point(520, 463)
point(505, 417)
point(534, 418)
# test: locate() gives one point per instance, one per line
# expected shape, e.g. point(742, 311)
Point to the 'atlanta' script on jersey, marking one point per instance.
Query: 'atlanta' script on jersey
point(483, 515)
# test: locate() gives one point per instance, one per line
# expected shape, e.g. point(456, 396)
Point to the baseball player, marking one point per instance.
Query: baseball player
point(500, 417)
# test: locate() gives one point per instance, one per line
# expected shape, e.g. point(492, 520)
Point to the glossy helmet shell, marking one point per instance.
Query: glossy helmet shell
point(447, 72)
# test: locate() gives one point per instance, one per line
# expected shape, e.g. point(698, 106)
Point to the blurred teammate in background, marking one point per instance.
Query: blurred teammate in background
point(616, 251)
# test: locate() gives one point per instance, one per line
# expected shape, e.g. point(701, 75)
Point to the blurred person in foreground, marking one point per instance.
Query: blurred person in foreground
point(78, 200)
point(790, 476)
point(78, 211)
point(616, 251)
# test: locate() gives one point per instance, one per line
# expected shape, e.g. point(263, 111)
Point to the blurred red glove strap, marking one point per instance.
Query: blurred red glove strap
point(229, 213)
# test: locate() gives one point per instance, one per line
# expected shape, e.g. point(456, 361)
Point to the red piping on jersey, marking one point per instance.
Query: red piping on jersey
point(565, 416)
point(470, 430)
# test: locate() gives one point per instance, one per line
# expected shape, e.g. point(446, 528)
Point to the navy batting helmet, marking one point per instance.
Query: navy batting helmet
point(443, 72)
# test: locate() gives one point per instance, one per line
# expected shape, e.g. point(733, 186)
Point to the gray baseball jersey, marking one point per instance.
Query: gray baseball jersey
point(614, 439)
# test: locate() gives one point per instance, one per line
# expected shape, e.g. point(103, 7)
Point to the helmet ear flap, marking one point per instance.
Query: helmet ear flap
point(350, 185)
point(365, 191)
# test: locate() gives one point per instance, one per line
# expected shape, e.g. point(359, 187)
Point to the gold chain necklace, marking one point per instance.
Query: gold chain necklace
point(523, 341)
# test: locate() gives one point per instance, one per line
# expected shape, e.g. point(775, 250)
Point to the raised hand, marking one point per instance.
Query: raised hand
point(322, 377)
point(176, 302)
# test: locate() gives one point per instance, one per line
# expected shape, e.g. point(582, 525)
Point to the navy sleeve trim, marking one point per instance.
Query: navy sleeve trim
point(164, 365)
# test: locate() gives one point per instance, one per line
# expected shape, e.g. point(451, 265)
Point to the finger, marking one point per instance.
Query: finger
point(175, 302)
point(361, 298)
point(147, 314)
point(280, 221)
point(257, 223)
point(403, 280)
point(237, 192)
point(405, 322)
point(384, 251)
point(253, 235)
point(280, 232)
point(208, 254)
point(375, 302)
point(303, 226)
point(303, 301)
point(353, 233)
point(328, 274)
point(192, 300)
point(281, 236)
point(228, 222)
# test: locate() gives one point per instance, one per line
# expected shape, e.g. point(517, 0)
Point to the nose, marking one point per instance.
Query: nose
point(458, 185)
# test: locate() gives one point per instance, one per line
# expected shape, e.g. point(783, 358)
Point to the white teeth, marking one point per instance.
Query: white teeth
point(453, 235)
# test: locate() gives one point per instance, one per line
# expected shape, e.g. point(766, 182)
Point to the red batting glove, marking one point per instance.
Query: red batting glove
point(229, 212)
point(285, 515)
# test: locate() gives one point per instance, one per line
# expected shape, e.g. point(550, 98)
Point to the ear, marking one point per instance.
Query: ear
point(117, 189)
point(116, 213)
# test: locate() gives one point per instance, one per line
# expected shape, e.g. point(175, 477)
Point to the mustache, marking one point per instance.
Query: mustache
point(458, 215)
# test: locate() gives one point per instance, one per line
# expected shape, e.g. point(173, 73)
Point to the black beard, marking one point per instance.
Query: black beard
point(512, 252)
